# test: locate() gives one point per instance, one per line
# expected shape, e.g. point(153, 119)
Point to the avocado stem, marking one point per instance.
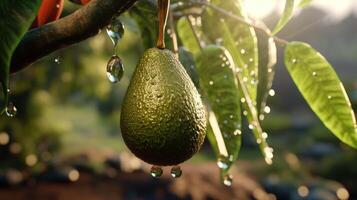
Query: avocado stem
point(163, 11)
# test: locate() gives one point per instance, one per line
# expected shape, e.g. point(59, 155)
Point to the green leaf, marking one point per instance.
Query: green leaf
point(217, 81)
point(322, 89)
point(15, 19)
point(304, 3)
point(187, 36)
point(188, 61)
point(145, 15)
point(267, 61)
point(285, 18)
point(239, 38)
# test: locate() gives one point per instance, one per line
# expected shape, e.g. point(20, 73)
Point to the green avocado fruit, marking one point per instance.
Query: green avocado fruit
point(163, 120)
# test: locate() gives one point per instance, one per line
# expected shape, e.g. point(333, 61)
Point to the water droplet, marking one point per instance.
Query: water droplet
point(115, 69)
point(156, 171)
point(294, 60)
point(227, 180)
point(245, 113)
point(58, 60)
point(314, 74)
point(231, 116)
point(251, 126)
point(251, 60)
point(267, 109)
point(242, 51)
point(329, 97)
point(218, 100)
point(245, 79)
point(225, 76)
point(176, 172)
point(223, 65)
point(238, 70)
point(115, 31)
point(270, 70)
point(225, 121)
point(261, 117)
point(223, 162)
point(242, 100)
point(211, 83)
point(272, 92)
point(265, 135)
point(11, 110)
point(259, 141)
point(237, 132)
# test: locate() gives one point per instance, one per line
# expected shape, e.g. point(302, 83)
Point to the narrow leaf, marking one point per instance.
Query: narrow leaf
point(188, 61)
point(304, 3)
point(322, 89)
point(187, 35)
point(15, 19)
point(217, 81)
point(267, 61)
point(239, 38)
point(285, 18)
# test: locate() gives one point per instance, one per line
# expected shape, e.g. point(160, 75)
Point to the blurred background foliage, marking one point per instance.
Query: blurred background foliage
point(68, 116)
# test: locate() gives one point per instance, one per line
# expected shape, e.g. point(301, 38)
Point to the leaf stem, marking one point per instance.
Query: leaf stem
point(194, 32)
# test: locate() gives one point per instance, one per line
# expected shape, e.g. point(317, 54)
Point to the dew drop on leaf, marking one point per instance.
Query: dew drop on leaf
point(267, 109)
point(156, 171)
point(115, 69)
point(314, 74)
point(237, 132)
point(223, 162)
point(11, 110)
point(176, 172)
point(272, 92)
point(227, 180)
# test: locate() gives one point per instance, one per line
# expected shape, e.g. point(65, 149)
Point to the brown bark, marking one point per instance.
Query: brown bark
point(78, 26)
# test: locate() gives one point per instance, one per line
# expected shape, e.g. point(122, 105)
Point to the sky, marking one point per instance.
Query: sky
point(337, 9)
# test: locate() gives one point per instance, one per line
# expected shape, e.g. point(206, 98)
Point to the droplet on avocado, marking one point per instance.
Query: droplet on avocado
point(176, 172)
point(156, 171)
point(115, 69)
point(115, 31)
point(11, 110)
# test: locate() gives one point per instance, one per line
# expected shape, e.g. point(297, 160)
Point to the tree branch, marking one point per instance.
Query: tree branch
point(78, 26)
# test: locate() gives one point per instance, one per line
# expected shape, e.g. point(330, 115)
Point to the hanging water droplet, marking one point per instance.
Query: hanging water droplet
point(314, 74)
point(11, 110)
point(223, 65)
point(259, 141)
point(329, 97)
point(237, 132)
point(211, 83)
point(242, 100)
point(245, 79)
point(267, 109)
point(176, 172)
point(227, 180)
point(115, 30)
point(223, 162)
point(231, 116)
point(270, 70)
point(115, 69)
point(251, 60)
point(251, 126)
point(294, 60)
point(242, 51)
point(272, 92)
point(245, 113)
point(156, 171)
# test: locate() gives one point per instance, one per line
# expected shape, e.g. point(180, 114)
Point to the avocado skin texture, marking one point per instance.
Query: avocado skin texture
point(163, 121)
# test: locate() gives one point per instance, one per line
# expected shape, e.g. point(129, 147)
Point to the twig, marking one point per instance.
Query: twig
point(173, 35)
point(76, 27)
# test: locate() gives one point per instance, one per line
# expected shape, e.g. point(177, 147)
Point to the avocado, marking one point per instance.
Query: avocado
point(163, 120)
